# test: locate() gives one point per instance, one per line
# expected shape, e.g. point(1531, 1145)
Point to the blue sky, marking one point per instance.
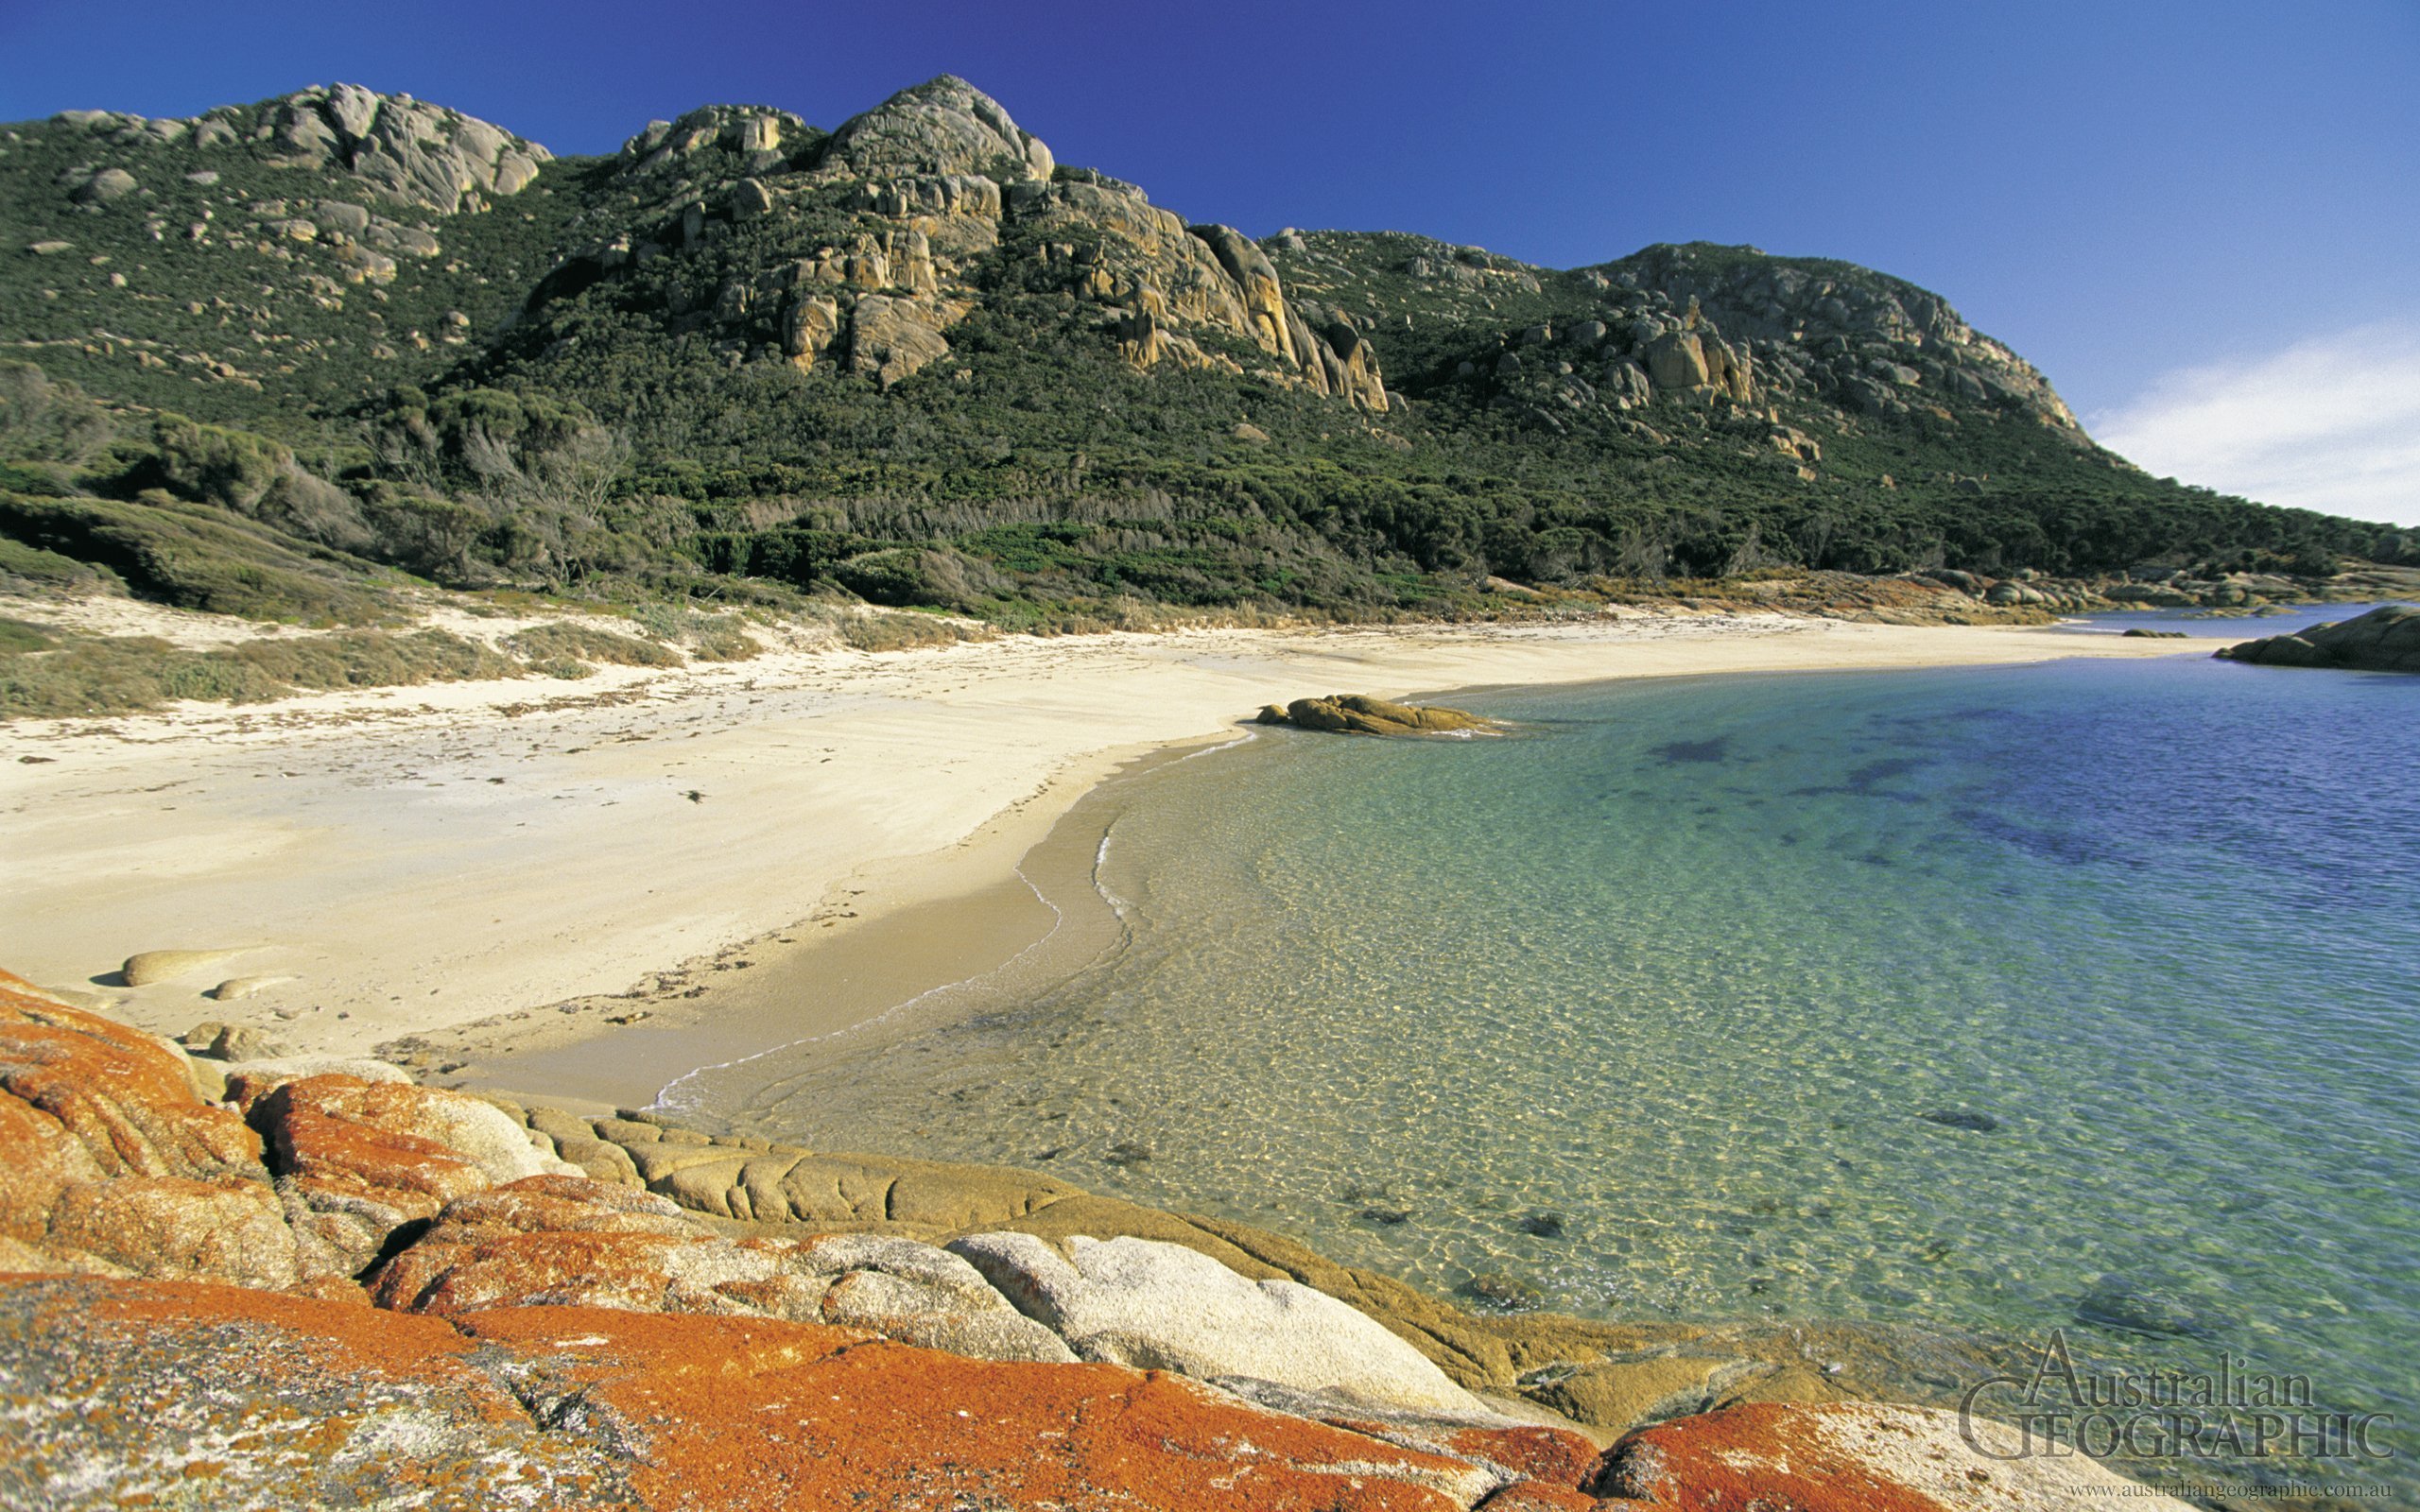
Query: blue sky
point(2181, 210)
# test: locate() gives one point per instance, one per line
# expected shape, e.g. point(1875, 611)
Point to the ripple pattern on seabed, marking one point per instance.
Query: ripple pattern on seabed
point(2078, 995)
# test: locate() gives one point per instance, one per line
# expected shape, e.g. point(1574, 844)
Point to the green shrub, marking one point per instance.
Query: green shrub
point(17, 637)
point(559, 642)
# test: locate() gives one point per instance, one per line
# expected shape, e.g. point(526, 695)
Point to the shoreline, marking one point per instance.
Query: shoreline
point(352, 843)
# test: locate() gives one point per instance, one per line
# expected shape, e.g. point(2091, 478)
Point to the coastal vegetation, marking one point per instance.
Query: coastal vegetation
point(286, 359)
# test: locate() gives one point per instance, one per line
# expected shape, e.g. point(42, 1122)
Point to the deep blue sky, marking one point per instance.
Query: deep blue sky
point(2118, 188)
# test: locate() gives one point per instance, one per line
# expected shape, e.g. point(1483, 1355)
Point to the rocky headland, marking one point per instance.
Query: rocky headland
point(2387, 639)
point(310, 1281)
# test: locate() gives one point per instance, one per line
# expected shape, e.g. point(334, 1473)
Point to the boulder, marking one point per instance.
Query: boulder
point(566, 1241)
point(890, 338)
point(146, 967)
point(1677, 360)
point(241, 1041)
point(104, 186)
point(1617, 1395)
point(750, 198)
point(1855, 1457)
point(941, 128)
point(229, 1229)
point(357, 1160)
point(1160, 1306)
point(114, 1163)
point(250, 1081)
point(1359, 714)
point(405, 149)
point(221, 1397)
point(2387, 639)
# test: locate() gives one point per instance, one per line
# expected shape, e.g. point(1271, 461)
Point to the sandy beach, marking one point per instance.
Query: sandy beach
point(695, 863)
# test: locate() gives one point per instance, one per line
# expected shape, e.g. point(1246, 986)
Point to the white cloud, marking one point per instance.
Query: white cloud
point(2329, 424)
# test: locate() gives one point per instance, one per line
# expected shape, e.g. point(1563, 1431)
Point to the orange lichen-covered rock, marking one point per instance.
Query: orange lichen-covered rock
point(1537, 1496)
point(115, 1166)
point(227, 1230)
point(1855, 1457)
point(118, 1094)
point(358, 1159)
point(740, 1415)
point(1556, 1456)
point(571, 1241)
point(161, 1393)
point(179, 1394)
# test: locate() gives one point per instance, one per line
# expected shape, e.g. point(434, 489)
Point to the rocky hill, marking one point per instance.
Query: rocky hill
point(920, 360)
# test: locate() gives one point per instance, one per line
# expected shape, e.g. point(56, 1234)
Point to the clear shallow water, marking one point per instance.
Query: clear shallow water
point(2278, 619)
point(1676, 977)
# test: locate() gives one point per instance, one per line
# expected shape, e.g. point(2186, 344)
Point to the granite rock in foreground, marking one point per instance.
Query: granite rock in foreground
point(1855, 1457)
point(428, 1309)
point(2387, 639)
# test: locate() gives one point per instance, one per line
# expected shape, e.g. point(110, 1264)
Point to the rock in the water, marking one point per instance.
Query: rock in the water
point(2387, 639)
point(1965, 1118)
point(2155, 1305)
point(1855, 1457)
point(1159, 1306)
point(1618, 1395)
point(146, 967)
point(1359, 714)
point(2137, 633)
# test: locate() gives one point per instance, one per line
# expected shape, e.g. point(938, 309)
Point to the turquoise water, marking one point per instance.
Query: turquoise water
point(2080, 995)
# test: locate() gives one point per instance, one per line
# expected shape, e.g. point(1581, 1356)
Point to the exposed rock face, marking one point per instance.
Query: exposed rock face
point(113, 1164)
point(556, 1340)
point(2387, 639)
point(1359, 714)
point(1135, 1302)
point(943, 127)
point(357, 1160)
point(411, 152)
point(1854, 1457)
point(891, 339)
point(569, 1241)
point(253, 1400)
point(899, 209)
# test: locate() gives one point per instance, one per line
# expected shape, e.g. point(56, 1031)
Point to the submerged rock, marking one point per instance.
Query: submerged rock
point(1359, 714)
point(2387, 639)
point(2154, 1305)
point(1964, 1118)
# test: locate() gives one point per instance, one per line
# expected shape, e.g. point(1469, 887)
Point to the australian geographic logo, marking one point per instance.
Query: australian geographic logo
point(2232, 1412)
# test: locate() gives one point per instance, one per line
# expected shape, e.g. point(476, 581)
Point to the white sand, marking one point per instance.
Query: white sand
point(422, 857)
